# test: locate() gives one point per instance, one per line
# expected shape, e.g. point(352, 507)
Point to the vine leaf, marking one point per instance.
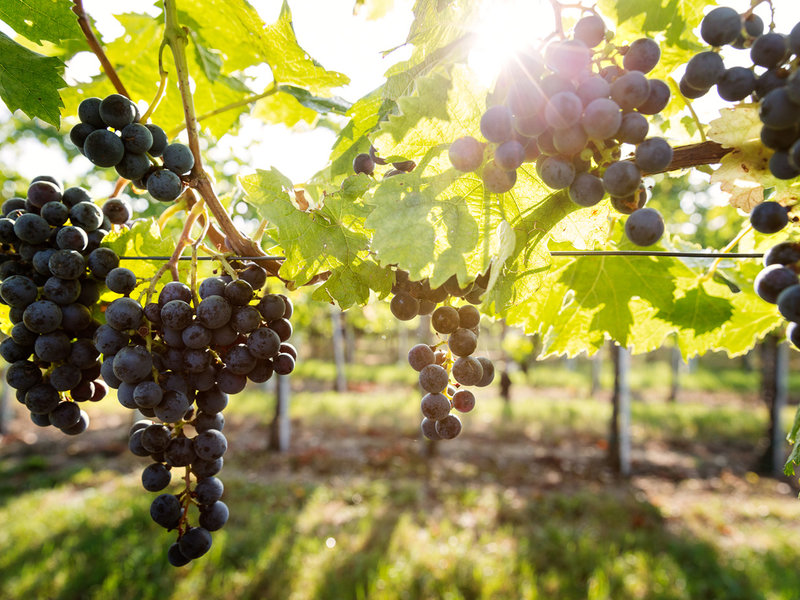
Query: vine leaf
point(143, 238)
point(41, 20)
point(330, 236)
point(744, 172)
point(30, 82)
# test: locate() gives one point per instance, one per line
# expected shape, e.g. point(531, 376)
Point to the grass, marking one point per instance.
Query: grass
point(521, 507)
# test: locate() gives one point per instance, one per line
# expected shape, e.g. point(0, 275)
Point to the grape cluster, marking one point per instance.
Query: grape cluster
point(437, 365)
point(571, 116)
point(412, 298)
point(49, 245)
point(365, 163)
point(773, 80)
point(176, 361)
point(778, 284)
point(110, 135)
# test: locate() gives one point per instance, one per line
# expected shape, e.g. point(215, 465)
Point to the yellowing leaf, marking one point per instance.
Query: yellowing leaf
point(736, 127)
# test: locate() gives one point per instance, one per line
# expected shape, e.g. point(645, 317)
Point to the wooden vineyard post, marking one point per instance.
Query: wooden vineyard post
point(338, 349)
point(619, 446)
point(281, 427)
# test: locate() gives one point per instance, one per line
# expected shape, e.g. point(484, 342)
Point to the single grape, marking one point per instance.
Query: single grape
point(89, 112)
point(428, 428)
point(449, 427)
point(404, 306)
point(103, 148)
point(433, 378)
point(462, 342)
point(79, 133)
point(563, 110)
point(164, 185)
point(210, 445)
point(571, 140)
point(155, 477)
point(363, 164)
point(784, 253)
point(736, 84)
point(555, 172)
point(687, 91)
point(466, 154)
point(86, 215)
point(644, 227)
point(195, 543)
point(435, 406)
point(630, 90)
point(467, 370)
point(642, 55)
point(213, 516)
point(781, 167)
point(621, 178)
point(586, 190)
point(704, 70)
point(488, 371)
point(653, 155)
point(657, 99)
point(772, 280)
point(568, 58)
point(769, 217)
point(590, 30)
point(166, 510)
point(178, 158)
point(445, 319)
point(463, 401)
point(419, 356)
point(42, 191)
point(601, 119)
point(789, 303)
point(633, 128)
point(119, 279)
point(720, 26)
point(133, 166)
point(159, 140)
point(770, 50)
point(117, 111)
point(496, 124)
point(592, 88)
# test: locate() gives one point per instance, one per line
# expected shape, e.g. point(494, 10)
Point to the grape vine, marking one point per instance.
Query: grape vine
point(442, 193)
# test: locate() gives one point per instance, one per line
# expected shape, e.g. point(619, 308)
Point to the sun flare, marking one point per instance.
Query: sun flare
point(505, 28)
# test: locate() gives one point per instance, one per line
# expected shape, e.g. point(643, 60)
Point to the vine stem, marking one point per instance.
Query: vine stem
point(272, 89)
point(713, 267)
point(177, 40)
point(94, 45)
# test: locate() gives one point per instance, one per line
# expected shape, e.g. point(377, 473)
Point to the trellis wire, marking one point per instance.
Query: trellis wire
point(203, 257)
point(655, 253)
point(553, 253)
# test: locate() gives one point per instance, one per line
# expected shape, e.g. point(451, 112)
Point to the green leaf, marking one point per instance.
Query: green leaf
point(30, 82)
point(143, 238)
point(136, 60)
point(38, 20)
point(316, 240)
point(235, 30)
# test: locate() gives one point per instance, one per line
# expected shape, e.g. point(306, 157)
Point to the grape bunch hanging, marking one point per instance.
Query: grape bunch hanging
point(110, 135)
point(772, 81)
point(49, 240)
point(447, 359)
point(572, 110)
point(176, 361)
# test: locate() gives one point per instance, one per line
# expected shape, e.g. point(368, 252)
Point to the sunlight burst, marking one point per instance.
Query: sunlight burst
point(507, 27)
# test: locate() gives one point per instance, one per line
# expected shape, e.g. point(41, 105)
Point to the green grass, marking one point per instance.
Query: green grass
point(377, 539)
point(356, 511)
